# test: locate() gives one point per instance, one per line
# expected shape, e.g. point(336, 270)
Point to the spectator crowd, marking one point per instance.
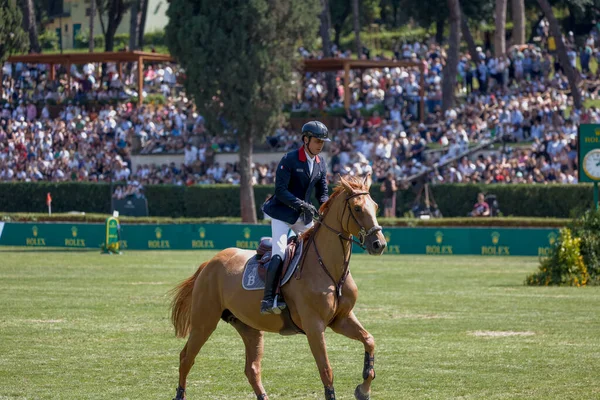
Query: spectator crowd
point(522, 98)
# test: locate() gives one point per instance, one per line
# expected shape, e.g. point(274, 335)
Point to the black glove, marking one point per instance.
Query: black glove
point(309, 211)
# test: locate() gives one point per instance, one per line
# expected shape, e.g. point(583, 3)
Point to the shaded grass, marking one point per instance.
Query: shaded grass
point(96, 327)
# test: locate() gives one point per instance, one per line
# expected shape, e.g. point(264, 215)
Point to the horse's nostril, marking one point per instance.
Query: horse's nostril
point(376, 244)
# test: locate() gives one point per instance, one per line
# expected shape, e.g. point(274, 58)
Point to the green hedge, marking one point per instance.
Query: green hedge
point(337, 112)
point(154, 38)
point(101, 218)
point(561, 201)
point(386, 39)
point(523, 222)
point(49, 40)
point(455, 200)
point(68, 196)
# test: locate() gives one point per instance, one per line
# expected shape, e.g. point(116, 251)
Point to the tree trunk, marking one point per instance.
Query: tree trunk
point(439, 30)
point(92, 16)
point(142, 23)
point(338, 33)
point(109, 39)
point(99, 7)
point(247, 202)
point(451, 67)
point(561, 49)
point(133, 24)
point(29, 24)
point(518, 17)
point(324, 31)
point(466, 33)
point(500, 34)
point(356, 17)
point(116, 9)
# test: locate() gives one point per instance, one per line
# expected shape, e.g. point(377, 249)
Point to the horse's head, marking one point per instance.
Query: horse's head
point(359, 217)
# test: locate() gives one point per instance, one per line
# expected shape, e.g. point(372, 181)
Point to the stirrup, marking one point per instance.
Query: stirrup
point(266, 307)
point(278, 306)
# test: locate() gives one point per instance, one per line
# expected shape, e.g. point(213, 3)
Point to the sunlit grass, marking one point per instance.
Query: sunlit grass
point(82, 325)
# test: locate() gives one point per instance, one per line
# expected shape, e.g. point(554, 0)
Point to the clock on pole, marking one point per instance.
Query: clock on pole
point(589, 156)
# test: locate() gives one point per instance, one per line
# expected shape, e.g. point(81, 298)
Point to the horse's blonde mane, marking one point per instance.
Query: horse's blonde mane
point(354, 182)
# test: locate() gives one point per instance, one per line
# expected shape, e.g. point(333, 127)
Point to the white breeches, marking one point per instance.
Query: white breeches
point(280, 229)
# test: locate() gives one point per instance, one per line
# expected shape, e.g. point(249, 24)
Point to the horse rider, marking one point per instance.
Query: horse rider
point(298, 172)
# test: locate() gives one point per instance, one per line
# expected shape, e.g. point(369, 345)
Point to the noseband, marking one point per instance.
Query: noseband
point(362, 235)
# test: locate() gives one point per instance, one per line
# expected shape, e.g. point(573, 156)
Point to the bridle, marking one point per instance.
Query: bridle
point(362, 235)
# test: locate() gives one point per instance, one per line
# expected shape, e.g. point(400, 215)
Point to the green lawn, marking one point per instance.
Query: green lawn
point(81, 325)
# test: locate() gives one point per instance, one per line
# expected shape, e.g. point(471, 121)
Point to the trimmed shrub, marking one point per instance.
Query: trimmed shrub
point(454, 200)
point(575, 256)
point(49, 40)
point(587, 228)
point(66, 196)
point(166, 200)
point(121, 40)
point(101, 218)
point(391, 222)
point(564, 267)
point(386, 39)
point(155, 38)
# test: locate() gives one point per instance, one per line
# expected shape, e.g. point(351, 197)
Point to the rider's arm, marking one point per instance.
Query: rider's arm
point(321, 186)
point(282, 181)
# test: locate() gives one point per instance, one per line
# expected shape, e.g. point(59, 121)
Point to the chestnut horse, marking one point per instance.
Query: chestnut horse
point(322, 295)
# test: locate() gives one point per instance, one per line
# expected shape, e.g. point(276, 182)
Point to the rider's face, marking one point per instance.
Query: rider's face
point(315, 146)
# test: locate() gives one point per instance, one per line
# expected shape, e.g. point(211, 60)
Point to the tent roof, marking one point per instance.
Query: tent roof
point(83, 58)
point(337, 64)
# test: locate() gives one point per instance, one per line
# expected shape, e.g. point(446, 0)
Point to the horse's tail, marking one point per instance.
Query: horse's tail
point(181, 305)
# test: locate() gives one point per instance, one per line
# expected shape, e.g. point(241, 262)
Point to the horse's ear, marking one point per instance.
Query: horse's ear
point(367, 181)
point(345, 184)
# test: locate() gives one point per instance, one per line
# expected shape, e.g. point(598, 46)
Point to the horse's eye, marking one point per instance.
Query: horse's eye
point(357, 209)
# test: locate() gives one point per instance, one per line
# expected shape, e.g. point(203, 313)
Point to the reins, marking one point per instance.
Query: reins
point(363, 234)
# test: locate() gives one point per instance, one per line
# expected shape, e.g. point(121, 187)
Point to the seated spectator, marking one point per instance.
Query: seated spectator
point(481, 208)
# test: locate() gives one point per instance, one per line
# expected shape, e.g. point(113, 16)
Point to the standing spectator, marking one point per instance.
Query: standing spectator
point(389, 189)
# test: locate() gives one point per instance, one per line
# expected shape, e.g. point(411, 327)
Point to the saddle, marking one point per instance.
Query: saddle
point(255, 271)
point(256, 267)
point(264, 254)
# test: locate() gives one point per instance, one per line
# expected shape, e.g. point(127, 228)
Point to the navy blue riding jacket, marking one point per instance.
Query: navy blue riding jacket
point(293, 183)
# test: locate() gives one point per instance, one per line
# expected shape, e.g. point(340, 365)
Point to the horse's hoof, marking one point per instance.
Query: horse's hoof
point(180, 394)
point(358, 394)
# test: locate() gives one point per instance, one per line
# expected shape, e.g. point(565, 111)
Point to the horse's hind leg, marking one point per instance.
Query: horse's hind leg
point(204, 322)
point(351, 328)
point(253, 341)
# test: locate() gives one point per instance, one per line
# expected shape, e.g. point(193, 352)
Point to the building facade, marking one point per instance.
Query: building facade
point(73, 17)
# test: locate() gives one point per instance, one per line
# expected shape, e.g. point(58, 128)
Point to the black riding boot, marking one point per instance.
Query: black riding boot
point(267, 305)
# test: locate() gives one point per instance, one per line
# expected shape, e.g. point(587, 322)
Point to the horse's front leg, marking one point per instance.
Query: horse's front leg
point(315, 333)
point(351, 327)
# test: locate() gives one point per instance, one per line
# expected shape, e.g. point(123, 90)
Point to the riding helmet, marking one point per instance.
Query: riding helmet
point(316, 129)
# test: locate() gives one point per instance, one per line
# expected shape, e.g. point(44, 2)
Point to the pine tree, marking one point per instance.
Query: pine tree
point(13, 39)
point(238, 57)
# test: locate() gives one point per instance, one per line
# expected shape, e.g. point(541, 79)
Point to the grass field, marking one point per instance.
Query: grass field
point(80, 325)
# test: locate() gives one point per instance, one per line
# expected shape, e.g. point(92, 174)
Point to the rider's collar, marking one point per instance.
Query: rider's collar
point(302, 155)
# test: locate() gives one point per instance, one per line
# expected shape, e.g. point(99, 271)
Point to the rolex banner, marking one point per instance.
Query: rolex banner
point(427, 241)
